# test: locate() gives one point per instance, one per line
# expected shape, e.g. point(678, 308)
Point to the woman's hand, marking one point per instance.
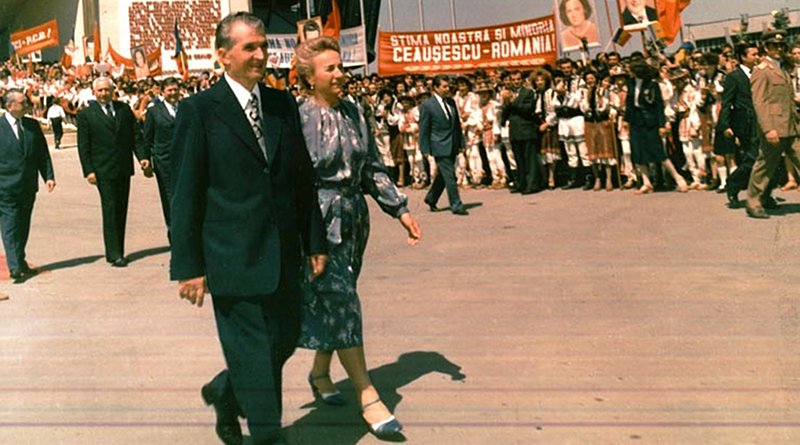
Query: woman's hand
point(412, 227)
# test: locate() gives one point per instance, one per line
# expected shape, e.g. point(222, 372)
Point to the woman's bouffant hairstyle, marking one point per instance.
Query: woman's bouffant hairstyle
point(307, 51)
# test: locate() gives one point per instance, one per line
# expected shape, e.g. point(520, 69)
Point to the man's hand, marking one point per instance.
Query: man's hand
point(772, 137)
point(147, 168)
point(193, 289)
point(663, 132)
point(317, 265)
point(50, 184)
point(92, 178)
point(728, 133)
point(412, 227)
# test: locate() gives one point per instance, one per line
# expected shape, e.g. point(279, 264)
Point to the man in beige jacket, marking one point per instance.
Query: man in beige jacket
point(778, 120)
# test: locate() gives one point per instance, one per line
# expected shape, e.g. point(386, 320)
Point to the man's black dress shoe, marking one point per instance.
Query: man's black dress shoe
point(460, 211)
point(432, 206)
point(21, 275)
point(733, 198)
point(227, 428)
point(769, 202)
point(119, 262)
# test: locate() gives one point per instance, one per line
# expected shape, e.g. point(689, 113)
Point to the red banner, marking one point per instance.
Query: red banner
point(520, 45)
point(36, 38)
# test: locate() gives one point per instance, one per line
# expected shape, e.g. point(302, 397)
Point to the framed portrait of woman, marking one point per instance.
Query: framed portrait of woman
point(577, 22)
point(636, 15)
point(140, 67)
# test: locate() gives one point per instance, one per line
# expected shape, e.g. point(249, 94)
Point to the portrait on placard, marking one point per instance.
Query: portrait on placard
point(140, 67)
point(577, 21)
point(309, 29)
point(635, 15)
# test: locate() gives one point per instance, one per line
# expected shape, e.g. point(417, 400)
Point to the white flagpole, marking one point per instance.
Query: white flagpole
point(453, 13)
point(421, 20)
point(364, 34)
point(391, 16)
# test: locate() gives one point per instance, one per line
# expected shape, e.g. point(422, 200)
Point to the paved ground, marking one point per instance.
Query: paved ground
point(559, 318)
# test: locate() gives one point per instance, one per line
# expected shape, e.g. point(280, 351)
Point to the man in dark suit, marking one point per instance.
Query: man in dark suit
point(737, 119)
point(637, 11)
point(159, 128)
point(23, 155)
point(107, 140)
point(440, 135)
point(518, 110)
point(244, 209)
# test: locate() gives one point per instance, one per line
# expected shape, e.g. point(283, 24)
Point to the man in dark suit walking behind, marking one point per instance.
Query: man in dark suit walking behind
point(244, 211)
point(440, 135)
point(518, 110)
point(159, 128)
point(737, 119)
point(23, 156)
point(107, 139)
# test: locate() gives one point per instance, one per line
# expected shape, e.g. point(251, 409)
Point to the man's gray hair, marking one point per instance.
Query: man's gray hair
point(100, 79)
point(8, 96)
point(223, 32)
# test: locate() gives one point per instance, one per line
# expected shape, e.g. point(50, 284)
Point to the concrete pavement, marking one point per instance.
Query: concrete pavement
point(558, 318)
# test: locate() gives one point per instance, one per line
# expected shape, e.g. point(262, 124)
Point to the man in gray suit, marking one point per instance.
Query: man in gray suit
point(440, 135)
point(23, 155)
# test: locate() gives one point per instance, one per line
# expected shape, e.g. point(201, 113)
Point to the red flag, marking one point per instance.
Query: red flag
point(669, 16)
point(333, 23)
point(96, 39)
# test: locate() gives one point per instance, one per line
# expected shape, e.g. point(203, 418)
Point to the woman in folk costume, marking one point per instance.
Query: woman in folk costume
point(687, 97)
point(409, 129)
point(644, 112)
point(382, 140)
point(469, 167)
point(598, 129)
point(549, 148)
point(618, 95)
point(488, 137)
point(709, 83)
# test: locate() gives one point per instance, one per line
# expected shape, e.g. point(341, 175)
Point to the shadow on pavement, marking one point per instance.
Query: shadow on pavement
point(66, 264)
point(136, 256)
point(329, 425)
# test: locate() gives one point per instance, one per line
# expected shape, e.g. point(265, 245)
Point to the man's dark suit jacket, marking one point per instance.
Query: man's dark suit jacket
point(105, 145)
point(236, 218)
point(439, 136)
point(159, 129)
point(737, 111)
point(19, 168)
point(519, 115)
point(159, 126)
point(629, 19)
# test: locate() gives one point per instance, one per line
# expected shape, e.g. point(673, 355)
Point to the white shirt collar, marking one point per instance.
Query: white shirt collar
point(11, 120)
point(747, 71)
point(241, 93)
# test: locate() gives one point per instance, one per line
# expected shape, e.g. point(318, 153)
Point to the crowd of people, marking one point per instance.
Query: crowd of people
point(255, 178)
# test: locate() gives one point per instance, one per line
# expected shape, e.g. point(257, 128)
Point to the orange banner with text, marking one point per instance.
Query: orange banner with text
point(36, 38)
point(520, 45)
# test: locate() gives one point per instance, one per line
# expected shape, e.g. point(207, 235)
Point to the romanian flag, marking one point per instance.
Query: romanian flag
point(621, 37)
point(180, 56)
point(333, 23)
point(669, 16)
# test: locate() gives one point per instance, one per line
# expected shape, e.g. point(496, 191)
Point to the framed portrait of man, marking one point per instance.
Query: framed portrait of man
point(635, 15)
point(140, 67)
point(577, 23)
point(309, 29)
